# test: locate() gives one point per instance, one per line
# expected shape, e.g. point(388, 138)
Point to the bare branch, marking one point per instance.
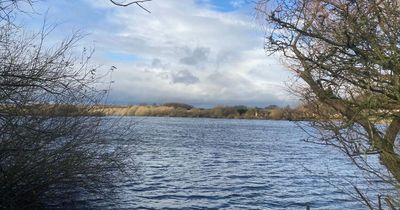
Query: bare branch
point(346, 53)
point(138, 3)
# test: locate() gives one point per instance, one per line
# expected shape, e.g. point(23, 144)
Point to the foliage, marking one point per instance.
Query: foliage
point(178, 105)
point(234, 112)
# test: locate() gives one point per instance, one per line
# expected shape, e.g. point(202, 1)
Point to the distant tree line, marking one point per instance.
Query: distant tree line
point(271, 112)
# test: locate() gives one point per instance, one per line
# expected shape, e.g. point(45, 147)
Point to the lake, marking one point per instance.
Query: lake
point(188, 163)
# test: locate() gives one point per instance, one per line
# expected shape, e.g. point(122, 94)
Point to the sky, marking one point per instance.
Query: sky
point(200, 52)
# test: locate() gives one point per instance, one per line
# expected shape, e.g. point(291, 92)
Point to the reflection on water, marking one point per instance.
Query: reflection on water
point(233, 164)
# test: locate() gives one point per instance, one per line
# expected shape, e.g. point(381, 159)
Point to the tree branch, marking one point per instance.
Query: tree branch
point(138, 3)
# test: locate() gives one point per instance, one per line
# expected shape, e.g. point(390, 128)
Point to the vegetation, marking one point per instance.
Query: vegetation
point(53, 139)
point(178, 105)
point(49, 151)
point(230, 112)
point(346, 54)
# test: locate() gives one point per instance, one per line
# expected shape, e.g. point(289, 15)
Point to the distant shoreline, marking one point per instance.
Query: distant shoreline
point(299, 113)
point(218, 112)
point(211, 118)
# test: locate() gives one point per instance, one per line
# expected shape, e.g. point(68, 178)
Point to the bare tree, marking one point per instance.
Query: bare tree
point(347, 54)
point(50, 148)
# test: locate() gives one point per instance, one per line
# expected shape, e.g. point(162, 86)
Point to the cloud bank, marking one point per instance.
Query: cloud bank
point(192, 51)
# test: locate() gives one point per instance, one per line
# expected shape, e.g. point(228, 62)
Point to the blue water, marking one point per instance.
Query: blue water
point(234, 164)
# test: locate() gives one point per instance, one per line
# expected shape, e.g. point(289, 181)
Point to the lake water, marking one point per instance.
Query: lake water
point(234, 164)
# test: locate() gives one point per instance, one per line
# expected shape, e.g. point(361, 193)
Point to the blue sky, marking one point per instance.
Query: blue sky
point(224, 5)
point(201, 52)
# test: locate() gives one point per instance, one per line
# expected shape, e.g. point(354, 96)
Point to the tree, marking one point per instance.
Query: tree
point(48, 152)
point(347, 54)
point(178, 105)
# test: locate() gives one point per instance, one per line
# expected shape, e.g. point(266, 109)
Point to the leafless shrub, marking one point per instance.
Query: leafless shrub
point(48, 148)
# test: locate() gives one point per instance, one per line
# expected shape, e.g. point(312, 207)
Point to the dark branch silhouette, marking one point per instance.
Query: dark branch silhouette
point(347, 55)
point(125, 4)
point(52, 145)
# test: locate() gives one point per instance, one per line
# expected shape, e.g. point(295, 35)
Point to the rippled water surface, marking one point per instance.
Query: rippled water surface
point(233, 164)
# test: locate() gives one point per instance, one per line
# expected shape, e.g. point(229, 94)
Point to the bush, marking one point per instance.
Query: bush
point(178, 105)
point(49, 146)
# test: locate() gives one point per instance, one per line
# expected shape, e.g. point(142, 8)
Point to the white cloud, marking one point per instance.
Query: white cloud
point(189, 53)
point(237, 3)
